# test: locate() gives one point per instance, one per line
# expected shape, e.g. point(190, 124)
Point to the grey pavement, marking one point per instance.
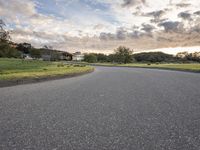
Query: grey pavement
point(110, 109)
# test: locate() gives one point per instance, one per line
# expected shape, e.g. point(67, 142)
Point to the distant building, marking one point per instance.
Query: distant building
point(49, 55)
point(77, 56)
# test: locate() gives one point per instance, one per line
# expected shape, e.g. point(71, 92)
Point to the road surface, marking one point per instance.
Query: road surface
point(110, 109)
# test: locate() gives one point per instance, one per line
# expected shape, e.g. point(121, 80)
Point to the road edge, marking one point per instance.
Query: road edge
point(9, 83)
point(156, 68)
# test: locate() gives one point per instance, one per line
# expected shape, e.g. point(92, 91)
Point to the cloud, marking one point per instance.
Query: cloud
point(129, 3)
point(98, 27)
point(147, 28)
point(156, 14)
point(106, 36)
point(135, 34)
point(197, 12)
point(195, 28)
point(12, 10)
point(158, 20)
point(183, 5)
point(171, 26)
point(185, 15)
point(121, 34)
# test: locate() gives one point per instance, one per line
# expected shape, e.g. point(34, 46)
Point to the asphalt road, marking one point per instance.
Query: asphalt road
point(110, 109)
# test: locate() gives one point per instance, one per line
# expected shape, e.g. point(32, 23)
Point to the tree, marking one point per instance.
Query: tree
point(24, 48)
point(123, 55)
point(4, 35)
point(112, 58)
point(7, 51)
point(101, 57)
point(193, 57)
point(35, 53)
point(90, 58)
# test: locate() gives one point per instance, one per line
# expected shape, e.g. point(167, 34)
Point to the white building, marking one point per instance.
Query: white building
point(78, 56)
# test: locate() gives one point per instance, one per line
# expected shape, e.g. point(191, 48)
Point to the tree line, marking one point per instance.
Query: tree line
point(125, 55)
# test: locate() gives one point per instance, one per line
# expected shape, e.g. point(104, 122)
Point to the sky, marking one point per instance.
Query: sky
point(102, 25)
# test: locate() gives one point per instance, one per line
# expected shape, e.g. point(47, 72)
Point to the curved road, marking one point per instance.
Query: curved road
point(110, 109)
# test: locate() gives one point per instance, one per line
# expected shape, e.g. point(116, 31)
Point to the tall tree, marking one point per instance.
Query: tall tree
point(123, 55)
point(4, 35)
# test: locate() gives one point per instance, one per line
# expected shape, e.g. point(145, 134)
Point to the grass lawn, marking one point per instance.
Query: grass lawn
point(19, 69)
point(194, 67)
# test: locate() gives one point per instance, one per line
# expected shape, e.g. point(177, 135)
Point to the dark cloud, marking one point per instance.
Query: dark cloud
point(164, 39)
point(129, 3)
point(170, 26)
point(106, 36)
point(197, 12)
point(147, 28)
point(183, 5)
point(138, 11)
point(158, 20)
point(121, 34)
point(155, 14)
point(135, 34)
point(185, 15)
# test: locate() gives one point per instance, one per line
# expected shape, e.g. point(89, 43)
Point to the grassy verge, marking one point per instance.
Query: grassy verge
point(182, 67)
point(14, 69)
point(192, 67)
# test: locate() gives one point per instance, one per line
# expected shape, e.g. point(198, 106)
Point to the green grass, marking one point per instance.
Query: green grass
point(173, 66)
point(194, 67)
point(20, 69)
